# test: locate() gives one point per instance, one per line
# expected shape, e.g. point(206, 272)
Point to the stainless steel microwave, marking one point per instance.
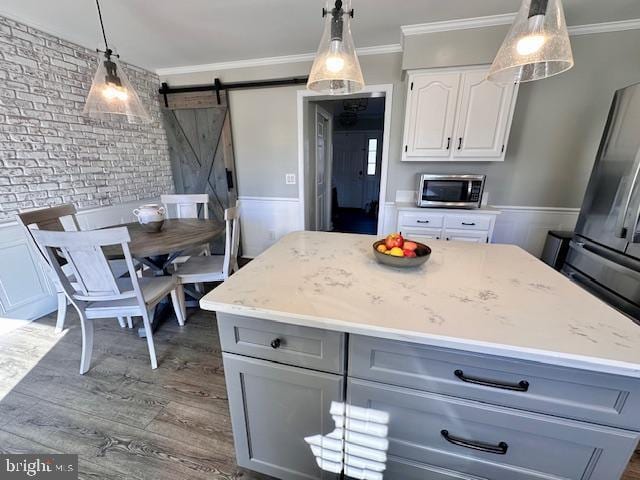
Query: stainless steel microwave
point(450, 191)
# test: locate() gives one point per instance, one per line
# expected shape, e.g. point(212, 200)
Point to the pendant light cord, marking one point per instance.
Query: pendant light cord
point(104, 35)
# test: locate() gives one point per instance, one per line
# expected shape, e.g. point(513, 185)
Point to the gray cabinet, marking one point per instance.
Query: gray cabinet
point(565, 392)
point(493, 442)
point(454, 415)
point(273, 407)
point(299, 346)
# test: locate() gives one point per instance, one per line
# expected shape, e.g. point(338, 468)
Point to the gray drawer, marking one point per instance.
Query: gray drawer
point(492, 442)
point(300, 346)
point(398, 468)
point(579, 394)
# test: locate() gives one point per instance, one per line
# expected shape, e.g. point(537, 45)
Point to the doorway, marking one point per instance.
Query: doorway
point(344, 167)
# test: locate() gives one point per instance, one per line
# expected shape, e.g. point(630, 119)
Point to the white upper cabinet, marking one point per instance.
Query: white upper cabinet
point(457, 115)
point(430, 116)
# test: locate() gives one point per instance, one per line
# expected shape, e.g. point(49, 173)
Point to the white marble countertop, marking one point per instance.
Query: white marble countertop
point(486, 298)
point(486, 210)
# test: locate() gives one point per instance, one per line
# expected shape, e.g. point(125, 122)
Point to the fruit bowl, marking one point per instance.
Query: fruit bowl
point(422, 252)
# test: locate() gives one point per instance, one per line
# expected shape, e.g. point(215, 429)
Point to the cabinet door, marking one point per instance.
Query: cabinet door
point(484, 117)
point(430, 115)
point(466, 236)
point(273, 407)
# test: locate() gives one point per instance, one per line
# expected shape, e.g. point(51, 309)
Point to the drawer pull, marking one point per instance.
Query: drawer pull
point(499, 449)
point(521, 386)
point(422, 221)
point(469, 224)
point(275, 343)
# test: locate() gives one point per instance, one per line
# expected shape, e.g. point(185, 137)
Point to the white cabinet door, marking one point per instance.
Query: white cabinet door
point(430, 115)
point(466, 236)
point(484, 117)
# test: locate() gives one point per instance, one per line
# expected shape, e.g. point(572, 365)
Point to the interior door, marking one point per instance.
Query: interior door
point(609, 207)
point(431, 108)
point(485, 110)
point(201, 150)
point(349, 167)
point(323, 161)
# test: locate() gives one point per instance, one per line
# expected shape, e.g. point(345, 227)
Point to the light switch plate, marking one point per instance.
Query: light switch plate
point(290, 178)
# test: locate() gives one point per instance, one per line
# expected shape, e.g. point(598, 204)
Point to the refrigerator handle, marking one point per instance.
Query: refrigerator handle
point(622, 228)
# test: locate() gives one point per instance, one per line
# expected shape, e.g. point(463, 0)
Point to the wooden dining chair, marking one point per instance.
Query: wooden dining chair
point(212, 268)
point(186, 205)
point(58, 219)
point(98, 293)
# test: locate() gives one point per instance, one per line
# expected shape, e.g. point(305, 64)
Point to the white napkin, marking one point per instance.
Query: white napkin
point(359, 413)
point(369, 428)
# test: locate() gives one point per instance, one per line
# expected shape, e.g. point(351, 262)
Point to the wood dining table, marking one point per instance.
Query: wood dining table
point(158, 250)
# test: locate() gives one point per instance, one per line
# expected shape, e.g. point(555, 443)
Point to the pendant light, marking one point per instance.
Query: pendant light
point(111, 93)
point(336, 69)
point(537, 45)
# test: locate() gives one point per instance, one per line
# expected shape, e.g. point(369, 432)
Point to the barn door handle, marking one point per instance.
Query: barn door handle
point(229, 178)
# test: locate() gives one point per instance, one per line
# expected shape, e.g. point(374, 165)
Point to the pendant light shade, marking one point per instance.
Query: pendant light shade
point(111, 95)
point(336, 69)
point(537, 45)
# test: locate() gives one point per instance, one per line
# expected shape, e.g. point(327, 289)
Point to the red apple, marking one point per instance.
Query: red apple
point(409, 253)
point(394, 240)
point(409, 245)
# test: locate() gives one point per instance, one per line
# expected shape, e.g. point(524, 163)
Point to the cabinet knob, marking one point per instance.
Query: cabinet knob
point(275, 343)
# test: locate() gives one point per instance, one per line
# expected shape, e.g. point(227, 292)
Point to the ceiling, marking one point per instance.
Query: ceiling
point(170, 33)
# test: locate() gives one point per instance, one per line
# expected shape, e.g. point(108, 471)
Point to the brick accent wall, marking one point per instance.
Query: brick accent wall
point(49, 152)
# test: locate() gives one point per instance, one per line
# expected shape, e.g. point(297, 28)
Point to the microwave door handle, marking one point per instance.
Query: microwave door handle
point(622, 229)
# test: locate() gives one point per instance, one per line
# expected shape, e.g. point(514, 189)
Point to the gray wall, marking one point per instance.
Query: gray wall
point(49, 153)
point(557, 124)
point(264, 121)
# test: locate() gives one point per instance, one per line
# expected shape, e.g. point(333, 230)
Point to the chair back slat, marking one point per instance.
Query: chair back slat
point(186, 205)
point(51, 218)
point(87, 261)
point(232, 240)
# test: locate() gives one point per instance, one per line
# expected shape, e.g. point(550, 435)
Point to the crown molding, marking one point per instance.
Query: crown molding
point(459, 24)
point(506, 19)
point(261, 62)
point(606, 27)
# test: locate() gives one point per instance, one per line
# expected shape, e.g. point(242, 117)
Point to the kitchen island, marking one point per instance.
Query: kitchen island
point(483, 341)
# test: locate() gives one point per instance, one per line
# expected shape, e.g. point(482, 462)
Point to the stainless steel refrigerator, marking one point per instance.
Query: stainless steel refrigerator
point(604, 255)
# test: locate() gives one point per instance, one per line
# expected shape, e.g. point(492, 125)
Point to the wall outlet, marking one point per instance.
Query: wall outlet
point(290, 178)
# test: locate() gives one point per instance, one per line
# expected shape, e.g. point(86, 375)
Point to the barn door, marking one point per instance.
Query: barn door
point(201, 149)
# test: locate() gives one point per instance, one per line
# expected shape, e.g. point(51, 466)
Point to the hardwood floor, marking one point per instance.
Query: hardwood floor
point(125, 420)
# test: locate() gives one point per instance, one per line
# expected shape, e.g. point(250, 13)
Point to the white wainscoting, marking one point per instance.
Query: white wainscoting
point(25, 291)
point(528, 226)
point(264, 220)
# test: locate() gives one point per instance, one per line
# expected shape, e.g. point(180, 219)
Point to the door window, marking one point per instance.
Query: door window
point(372, 156)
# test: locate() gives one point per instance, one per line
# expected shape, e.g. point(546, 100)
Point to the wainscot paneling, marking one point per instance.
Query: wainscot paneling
point(25, 290)
point(264, 220)
point(528, 226)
